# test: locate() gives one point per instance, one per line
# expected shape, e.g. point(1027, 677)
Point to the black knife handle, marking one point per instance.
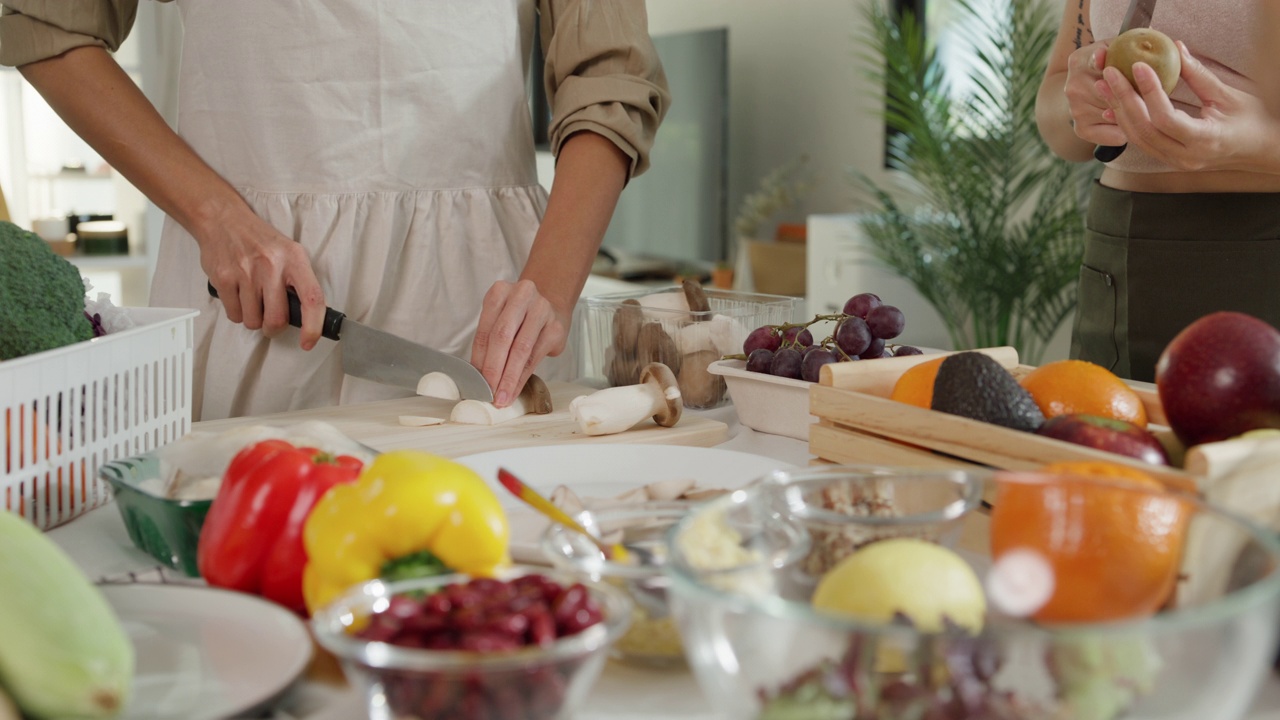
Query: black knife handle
point(332, 327)
point(1107, 153)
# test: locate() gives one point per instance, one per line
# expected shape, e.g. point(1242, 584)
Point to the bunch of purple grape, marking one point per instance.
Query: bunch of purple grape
point(862, 330)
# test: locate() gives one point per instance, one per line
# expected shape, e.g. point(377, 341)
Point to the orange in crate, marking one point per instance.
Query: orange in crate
point(1114, 553)
point(915, 386)
point(1067, 387)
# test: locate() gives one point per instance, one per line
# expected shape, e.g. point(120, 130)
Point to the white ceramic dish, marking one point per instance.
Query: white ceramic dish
point(206, 653)
point(604, 471)
point(770, 404)
point(767, 403)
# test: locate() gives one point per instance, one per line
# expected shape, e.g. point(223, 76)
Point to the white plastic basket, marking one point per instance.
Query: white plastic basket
point(68, 411)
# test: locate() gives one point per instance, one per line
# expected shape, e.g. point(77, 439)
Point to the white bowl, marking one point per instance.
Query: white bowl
point(767, 403)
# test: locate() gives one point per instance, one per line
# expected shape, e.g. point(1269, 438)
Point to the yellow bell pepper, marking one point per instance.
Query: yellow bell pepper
point(405, 502)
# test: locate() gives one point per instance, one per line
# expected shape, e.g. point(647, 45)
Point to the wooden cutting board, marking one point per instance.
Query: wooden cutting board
point(377, 425)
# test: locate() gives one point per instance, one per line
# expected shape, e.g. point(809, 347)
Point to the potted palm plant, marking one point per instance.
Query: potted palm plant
point(990, 231)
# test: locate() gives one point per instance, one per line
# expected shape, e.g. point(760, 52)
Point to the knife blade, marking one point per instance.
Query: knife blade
point(382, 357)
point(1137, 16)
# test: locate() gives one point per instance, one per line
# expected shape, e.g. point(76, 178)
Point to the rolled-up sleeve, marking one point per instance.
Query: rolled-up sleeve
point(33, 30)
point(603, 74)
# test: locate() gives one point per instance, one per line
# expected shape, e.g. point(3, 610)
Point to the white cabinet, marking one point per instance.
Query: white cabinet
point(841, 264)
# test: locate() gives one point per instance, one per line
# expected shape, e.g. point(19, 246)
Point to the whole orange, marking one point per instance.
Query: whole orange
point(915, 386)
point(1111, 534)
point(1066, 387)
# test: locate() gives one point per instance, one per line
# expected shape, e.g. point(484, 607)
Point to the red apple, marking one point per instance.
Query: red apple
point(1104, 433)
point(1220, 377)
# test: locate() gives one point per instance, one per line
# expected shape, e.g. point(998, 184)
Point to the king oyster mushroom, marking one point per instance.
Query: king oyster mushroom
point(656, 346)
point(534, 399)
point(616, 409)
point(700, 387)
point(620, 364)
point(696, 298)
point(620, 369)
point(627, 320)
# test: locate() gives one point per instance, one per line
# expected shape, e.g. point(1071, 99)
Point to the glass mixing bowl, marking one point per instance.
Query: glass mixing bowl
point(535, 682)
point(844, 507)
point(761, 650)
point(653, 638)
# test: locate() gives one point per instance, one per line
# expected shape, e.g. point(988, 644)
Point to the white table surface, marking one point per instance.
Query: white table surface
point(99, 544)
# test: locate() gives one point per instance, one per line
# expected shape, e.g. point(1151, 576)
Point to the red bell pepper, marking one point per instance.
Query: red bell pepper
point(251, 540)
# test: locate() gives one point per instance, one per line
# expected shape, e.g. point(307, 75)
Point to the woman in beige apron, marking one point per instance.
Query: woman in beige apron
point(392, 141)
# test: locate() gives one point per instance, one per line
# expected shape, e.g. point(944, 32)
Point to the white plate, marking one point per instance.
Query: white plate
point(606, 470)
point(206, 653)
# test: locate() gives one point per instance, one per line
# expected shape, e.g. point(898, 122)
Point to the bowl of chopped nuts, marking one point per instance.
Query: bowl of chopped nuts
point(845, 507)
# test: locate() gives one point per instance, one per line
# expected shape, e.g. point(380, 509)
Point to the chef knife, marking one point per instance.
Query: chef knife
point(384, 358)
point(1138, 16)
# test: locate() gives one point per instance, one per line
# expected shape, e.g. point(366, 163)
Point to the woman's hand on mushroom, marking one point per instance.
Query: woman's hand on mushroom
point(518, 328)
point(1233, 131)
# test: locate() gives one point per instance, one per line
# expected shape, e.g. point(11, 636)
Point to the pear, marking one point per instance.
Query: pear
point(1151, 47)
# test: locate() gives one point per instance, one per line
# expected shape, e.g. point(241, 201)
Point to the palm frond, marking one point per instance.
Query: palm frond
point(995, 232)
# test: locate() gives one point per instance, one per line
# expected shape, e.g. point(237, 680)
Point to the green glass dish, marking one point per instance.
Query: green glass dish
point(167, 529)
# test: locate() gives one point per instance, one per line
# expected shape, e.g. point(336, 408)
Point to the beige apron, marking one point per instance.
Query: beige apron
point(392, 139)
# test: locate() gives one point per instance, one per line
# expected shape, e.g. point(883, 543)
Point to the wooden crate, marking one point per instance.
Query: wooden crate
point(858, 423)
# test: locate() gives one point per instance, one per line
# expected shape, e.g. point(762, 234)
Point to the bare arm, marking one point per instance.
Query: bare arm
point(1068, 106)
point(248, 261)
point(523, 322)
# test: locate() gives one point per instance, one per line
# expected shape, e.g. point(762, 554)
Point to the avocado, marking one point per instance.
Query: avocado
point(975, 386)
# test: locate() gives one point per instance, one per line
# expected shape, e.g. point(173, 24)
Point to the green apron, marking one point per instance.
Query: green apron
point(1156, 262)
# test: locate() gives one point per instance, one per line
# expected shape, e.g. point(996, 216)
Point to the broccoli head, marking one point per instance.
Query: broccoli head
point(41, 296)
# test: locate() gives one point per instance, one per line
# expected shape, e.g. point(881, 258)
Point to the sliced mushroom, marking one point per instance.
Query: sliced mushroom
point(668, 489)
point(438, 385)
point(534, 399)
point(567, 500)
point(631, 497)
point(700, 494)
point(700, 387)
point(614, 410)
point(696, 298)
point(656, 346)
point(420, 420)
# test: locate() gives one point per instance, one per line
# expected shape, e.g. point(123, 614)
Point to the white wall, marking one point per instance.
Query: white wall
point(796, 88)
